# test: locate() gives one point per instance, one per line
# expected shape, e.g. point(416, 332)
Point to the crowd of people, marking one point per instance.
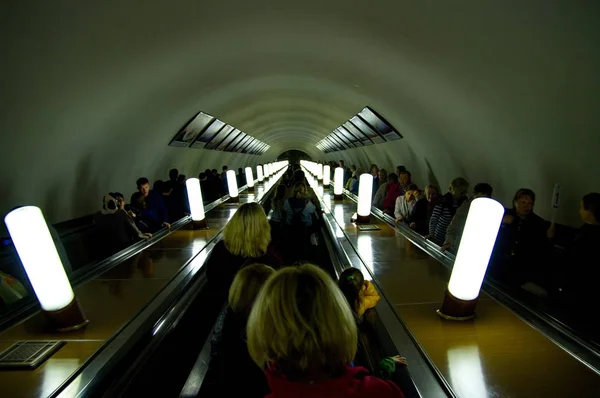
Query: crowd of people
point(289, 328)
point(524, 250)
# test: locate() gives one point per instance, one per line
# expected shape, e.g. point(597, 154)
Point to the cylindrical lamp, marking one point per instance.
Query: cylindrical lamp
point(232, 185)
point(259, 173)
point(365, 195)
point(34, 244)
point(319, 170)
point(338, 184)
point(326, 175)
point(194, 193)
point(249, 179)
point(474, 251)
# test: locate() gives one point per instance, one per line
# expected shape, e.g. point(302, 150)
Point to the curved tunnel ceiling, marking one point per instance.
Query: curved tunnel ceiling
point(476, 88)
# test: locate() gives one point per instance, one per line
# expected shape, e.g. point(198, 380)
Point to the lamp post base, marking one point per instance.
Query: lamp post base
point(363, 219)
point(234, 200)
point(455, 309)
point(202, 224)
point(69, 318)
point(338, 198)
point(250, 189)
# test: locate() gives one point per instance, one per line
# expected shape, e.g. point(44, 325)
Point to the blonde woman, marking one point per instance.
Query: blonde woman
point(246, 240)
point(301, 329)
point(231, 370)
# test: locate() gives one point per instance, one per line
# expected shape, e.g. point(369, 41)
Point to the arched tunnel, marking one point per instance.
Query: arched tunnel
point(95, 95)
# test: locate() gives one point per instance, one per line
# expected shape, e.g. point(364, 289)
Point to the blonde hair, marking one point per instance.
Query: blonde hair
point(299, 188)
point(248, 233)
point(245, 287)
point(302, 322)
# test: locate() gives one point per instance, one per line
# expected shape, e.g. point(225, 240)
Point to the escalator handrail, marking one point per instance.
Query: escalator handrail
point(429, 381)
point(156, 316)
point(556, 331)
point(90, 271)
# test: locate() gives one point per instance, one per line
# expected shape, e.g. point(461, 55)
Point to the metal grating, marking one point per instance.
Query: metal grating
point(28, 354)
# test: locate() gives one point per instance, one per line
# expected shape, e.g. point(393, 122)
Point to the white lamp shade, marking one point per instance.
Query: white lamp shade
point(249, 177)
point(365, 194)
point(476, 245)
point(326, 175)
point(232, 184)
point(338, 181)
point(319, 171)
point(194, 193)
point(40, 259)
point(259, 173)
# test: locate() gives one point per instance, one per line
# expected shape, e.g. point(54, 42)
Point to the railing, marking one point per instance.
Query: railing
point(556, 331)
point(425, 376)
point(153, 322)
point(29, 305)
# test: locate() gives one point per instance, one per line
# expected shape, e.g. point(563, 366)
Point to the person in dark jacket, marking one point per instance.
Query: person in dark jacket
point(117, 228)
point(231, 371)
point(582, 268)
point(522, 246)
point(154, 209)
point(246, 240)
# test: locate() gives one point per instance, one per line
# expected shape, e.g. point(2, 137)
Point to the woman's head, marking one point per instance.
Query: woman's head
point(458, 187)
point(523, 202)
point(299, 190)
point(245, 287)
point(302, 322)
point(392, 178)
point(382, 175)
point(351, 283)
point(590, 208)
point(411, 192)
point(248, 233)
point(431, 193)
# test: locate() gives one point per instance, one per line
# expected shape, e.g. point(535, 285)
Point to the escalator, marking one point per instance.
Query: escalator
point(127, 298)
point(165, 350)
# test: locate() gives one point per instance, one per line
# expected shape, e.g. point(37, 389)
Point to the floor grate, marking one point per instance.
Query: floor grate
point(28, 354)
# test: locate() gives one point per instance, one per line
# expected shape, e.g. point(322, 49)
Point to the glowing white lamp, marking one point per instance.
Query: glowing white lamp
point(194, 193)
point(338, 184)
point(326, 175)
point(34, 244)
point(249, 179)
point(259, 173)
point(319, 170)
point(474, 251)
point(232, 185)
point(365, 195)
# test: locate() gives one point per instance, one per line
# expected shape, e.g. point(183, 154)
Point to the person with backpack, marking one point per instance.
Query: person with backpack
point(298, 208)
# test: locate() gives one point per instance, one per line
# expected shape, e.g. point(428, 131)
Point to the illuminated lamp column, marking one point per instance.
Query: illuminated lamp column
point(326, 175)
point(249, 180)
point(474, 251)
point(194, 193)
point(233, 188)
point(319, 172)
point(338, 184)
point(34, 244)
point(365, 196)
point(259, 173)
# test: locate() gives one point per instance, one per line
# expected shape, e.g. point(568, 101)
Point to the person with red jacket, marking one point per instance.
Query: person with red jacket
point(394, 190)
point(302, 332)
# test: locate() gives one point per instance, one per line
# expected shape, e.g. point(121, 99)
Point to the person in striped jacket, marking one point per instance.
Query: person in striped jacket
point(446, 208)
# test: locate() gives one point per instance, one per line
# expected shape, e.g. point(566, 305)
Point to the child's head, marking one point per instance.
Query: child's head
point(302, 323)
point(351, 284)
point(245, 287)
